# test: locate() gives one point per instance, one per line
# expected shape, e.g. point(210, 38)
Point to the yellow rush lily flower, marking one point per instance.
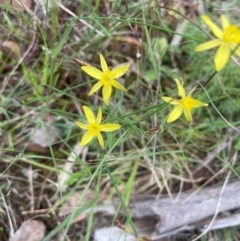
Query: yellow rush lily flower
point(94, 127)
point(184, 104)
point(226, 41)
point(106, 77)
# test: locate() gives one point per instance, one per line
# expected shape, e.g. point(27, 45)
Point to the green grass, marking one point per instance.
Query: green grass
point(43, 88)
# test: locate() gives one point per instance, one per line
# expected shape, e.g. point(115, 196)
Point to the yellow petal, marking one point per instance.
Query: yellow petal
point(119, 71)
point(225, 22)
point(175, 113)
point(188, 115)
point(92, 71)
point(99, 116)
point(215, 29)
point(81, 125)
point(95, 88)
point(196, 103)
point(118, 86)
point(89, 114)
point(100, 140)
point(181, 91)
point(208, 45)
point(110, 127)
point(103, 63)
point(86, 139)
point(171, 100)
point(106, 92)
point(222, 56)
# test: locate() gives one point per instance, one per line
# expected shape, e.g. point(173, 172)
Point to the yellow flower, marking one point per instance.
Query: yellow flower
point(106, 77)
point(183, 104)
point(94, 127)
point(226, 41)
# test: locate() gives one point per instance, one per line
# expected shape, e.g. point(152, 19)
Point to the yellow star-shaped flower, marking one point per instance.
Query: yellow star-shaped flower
point(226, 41)
point(94, 127)
point(185, 104)
point(106, 77)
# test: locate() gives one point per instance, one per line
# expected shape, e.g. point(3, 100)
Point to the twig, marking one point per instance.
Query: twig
point(30, 177)
point(67, 169)
point(80, 20)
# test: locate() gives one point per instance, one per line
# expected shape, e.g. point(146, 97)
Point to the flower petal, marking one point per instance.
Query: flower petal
point(225, 22)
point(119, 71)
point(86, 139)
point(196, 103)
point(92, 71)
point(215, 29)
point(106, 92)
point(171, 100)
point(118, 86)
point(89, 114)
point(188, 115)
point(100, 140)
point(208, 45)
point(181, 91)
point(110, 127)
point(222, 56)
point(82, 125)
point(103, 63)
point(95, 88)
point(99, 116)
point(175, 113)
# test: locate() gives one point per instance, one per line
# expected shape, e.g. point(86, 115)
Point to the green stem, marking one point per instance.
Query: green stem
point(210, 77)
point(121, 201)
